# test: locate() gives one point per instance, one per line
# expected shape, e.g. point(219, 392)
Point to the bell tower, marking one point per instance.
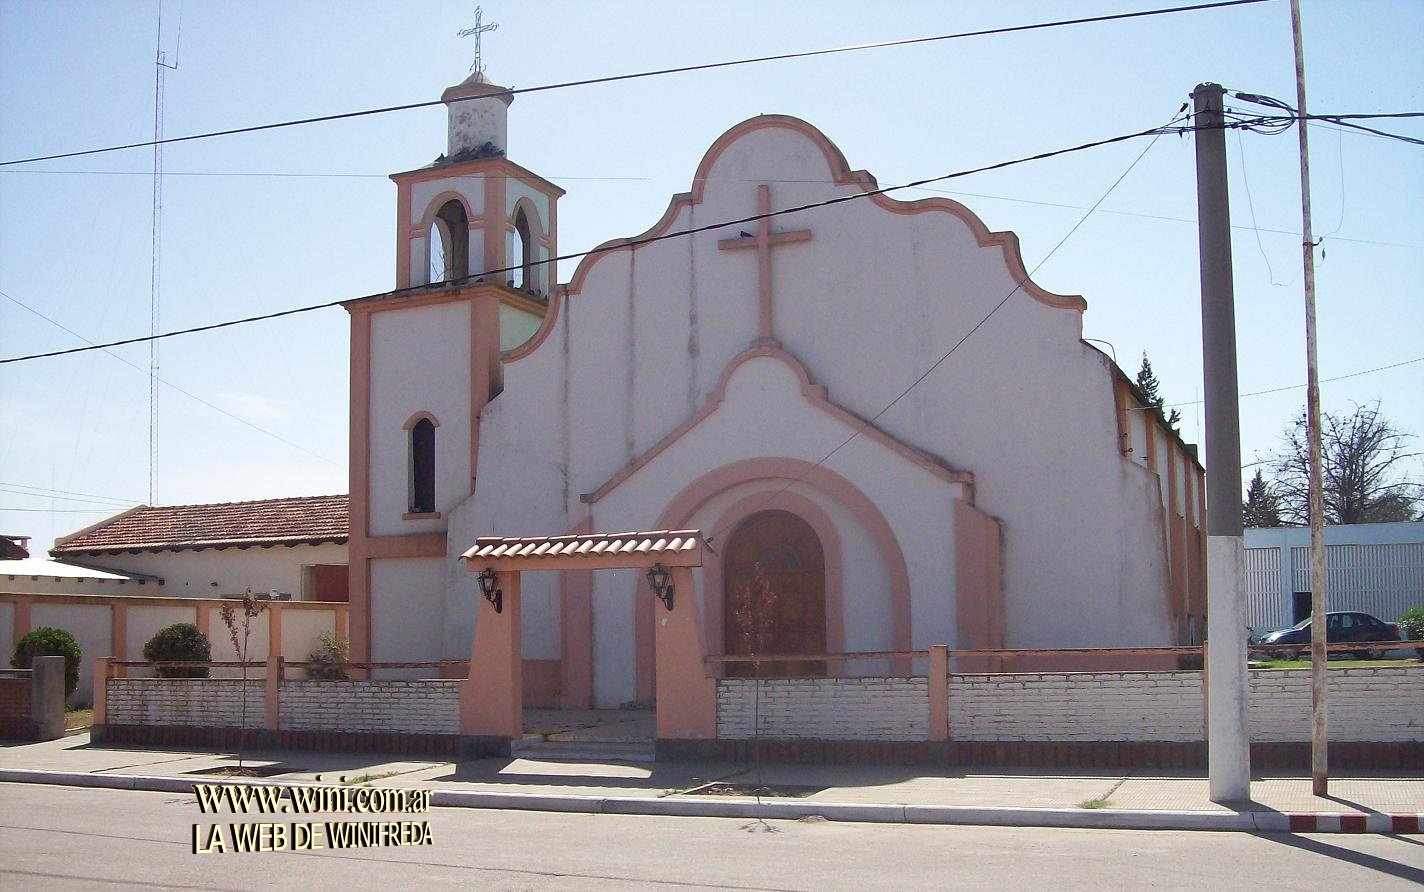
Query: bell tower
point(475, 238)
point(473, 214)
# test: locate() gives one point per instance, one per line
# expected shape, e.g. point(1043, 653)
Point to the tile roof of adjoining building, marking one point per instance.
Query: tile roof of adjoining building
point(300, 520)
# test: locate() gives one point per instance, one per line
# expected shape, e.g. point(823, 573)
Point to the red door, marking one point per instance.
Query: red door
point(774, 598)
point(330, 582)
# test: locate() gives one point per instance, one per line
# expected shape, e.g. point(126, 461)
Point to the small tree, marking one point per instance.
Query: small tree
point(1364, 463)
point(251, 609)
point(1261, 508)
point(179, 643)
point(50, 642)
point(1147, 382)
point(332, 655)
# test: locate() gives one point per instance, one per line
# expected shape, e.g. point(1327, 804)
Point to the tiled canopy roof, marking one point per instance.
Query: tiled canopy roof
point(668, 546)
point(292, 521)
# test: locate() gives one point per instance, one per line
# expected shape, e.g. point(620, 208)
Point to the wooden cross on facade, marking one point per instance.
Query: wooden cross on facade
point(480, 28)
point(763, 241)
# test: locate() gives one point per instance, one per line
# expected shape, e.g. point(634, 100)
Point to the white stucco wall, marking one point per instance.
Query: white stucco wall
point(867, 305)
point(143, 622)
point(224, 572)
point(420, 362)
point(406, 596)
point(89, 624)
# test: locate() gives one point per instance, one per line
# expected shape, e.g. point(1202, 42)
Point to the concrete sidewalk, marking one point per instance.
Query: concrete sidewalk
point(1362, 803)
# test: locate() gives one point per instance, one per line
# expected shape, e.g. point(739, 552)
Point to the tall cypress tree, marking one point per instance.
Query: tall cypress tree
point(1261, 508)
point(1147, 382)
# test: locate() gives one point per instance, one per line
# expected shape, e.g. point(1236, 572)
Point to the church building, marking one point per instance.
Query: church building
point(888, 436)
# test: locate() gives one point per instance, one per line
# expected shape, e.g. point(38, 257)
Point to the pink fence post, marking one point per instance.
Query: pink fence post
point(274, 687)
point(102, 672)
point(939, 693)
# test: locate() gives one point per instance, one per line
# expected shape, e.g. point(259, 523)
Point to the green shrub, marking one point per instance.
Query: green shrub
point(179, 643)
point(50, 642)
point(332, 654)
point(1411, 624)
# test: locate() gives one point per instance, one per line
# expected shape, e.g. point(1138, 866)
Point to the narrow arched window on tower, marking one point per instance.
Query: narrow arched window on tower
point(422, 467)
point(449, 238)
point(523, 277)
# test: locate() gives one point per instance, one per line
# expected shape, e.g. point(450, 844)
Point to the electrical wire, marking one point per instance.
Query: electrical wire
point(1018, 286)
point(614, 246)
point(167, 383)
point(1383, 368)
point(910, 41)
point(45, 490)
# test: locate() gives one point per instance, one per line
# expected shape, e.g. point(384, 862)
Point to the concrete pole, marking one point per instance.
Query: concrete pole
point(1228, 746)
point(1319, 731)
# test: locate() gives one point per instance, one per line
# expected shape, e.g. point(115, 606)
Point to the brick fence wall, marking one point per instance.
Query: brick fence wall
point(1377, 704)
point(185, 702)
point(824, 708)
point(1076, 706)
point(14, 704)
point(405, 707)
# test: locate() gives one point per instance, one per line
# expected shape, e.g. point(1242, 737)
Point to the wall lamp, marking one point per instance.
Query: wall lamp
point(493, 595)
point(662, 589)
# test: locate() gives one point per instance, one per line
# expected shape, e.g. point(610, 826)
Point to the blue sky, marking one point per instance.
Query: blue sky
point(264, 222)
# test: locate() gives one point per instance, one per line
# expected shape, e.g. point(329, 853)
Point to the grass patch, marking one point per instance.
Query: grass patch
point(1095, 803)
point(78, 719)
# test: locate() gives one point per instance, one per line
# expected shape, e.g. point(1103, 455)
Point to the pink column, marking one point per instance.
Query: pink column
point(687, 695)
point(274, 691)
point(119, 636)
point(102, 671)
point(492, 695)
point(274, 629)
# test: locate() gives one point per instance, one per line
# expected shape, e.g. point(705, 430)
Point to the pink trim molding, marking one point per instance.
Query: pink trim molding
point(816, 395)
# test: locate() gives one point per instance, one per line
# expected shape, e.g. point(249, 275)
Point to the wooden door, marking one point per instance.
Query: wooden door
point(774, 594)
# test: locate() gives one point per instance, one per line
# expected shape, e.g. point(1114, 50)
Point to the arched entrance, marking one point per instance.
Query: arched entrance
point(774, 595)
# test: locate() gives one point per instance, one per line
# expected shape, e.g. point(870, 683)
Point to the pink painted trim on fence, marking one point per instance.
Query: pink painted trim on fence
point(273, 692)
point(704, 488)
point(816, 395)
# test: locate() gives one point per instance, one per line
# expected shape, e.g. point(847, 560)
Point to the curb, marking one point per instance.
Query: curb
point(719, 807)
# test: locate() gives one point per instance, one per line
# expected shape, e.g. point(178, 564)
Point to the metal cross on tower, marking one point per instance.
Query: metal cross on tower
point(476, 31)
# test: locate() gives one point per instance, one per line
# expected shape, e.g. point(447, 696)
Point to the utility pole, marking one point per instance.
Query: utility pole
point(1319, 761)
point(1228, 747)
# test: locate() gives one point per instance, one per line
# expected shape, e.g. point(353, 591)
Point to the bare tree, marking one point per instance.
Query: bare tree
point(1365, 463)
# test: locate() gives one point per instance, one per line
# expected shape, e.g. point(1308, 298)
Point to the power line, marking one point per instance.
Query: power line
point(46, 490)
point(616, 246)
point(910, 41)
point(39, 495)
point(58, 510)
point(1383, 368)
point(866, 423)
point(164, 381)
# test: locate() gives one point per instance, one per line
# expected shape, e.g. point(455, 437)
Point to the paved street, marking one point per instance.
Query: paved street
point(70, 838)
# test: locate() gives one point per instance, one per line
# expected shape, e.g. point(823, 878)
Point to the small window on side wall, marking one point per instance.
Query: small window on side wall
point(422, 467)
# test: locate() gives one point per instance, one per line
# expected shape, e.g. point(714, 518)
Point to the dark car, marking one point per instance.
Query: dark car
point(1343, 627)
